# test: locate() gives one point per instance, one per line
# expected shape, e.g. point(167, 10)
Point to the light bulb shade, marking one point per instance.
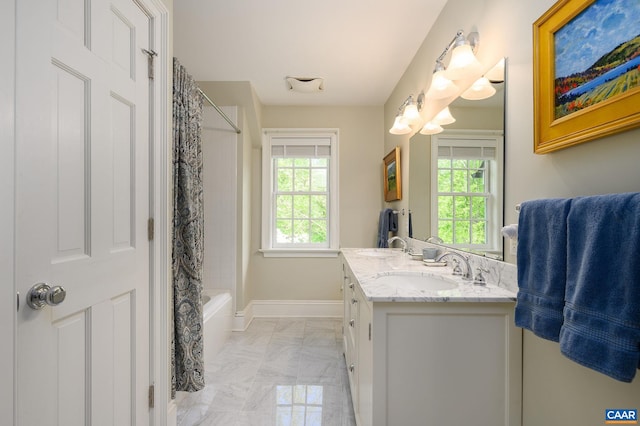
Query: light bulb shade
point(431, 128)
point(441, 87)
point(400, 127)
point(444, 117)
point(411, 114)
point(480, 89)
point(496, 74)
point(463, 63)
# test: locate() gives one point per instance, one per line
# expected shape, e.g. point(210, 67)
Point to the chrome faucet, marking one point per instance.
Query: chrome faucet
point(479, 279)
point(396, 238)
point(467, 276)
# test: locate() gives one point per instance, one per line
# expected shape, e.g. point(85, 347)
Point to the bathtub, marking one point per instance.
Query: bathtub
point(217, 319)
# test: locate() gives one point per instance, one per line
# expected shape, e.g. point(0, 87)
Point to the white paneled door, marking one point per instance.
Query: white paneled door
point(82, 205)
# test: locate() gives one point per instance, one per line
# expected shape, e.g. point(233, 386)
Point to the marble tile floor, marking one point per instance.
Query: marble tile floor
point(279, 372)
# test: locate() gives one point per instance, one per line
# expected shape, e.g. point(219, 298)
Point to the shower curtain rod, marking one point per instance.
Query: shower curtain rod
point(227, 119)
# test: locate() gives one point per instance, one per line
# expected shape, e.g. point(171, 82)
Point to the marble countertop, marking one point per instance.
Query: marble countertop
point(369, 264)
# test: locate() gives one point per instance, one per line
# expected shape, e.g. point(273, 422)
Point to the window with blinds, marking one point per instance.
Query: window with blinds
point(301, 192)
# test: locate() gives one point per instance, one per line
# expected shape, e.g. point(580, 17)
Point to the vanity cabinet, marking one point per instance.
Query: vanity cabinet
point(431, 363)
point(357, 346)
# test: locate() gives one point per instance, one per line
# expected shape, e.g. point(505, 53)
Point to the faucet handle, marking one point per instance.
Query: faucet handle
point(479, 279)
point(457, 270)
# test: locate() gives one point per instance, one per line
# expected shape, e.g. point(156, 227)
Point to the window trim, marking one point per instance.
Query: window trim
point(268, 227)
point(473, 138)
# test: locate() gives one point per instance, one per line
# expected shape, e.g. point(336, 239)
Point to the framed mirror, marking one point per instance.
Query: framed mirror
point(456, 178)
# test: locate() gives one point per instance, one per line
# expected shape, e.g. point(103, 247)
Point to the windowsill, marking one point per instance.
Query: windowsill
point(290, 252)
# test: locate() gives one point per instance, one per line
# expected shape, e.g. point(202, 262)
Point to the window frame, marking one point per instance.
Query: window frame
point(275, 137)
point(473, 138)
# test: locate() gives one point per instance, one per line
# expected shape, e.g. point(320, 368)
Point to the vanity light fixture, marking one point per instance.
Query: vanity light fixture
point(496, 74)
point(463, 62)
point(441, 87)
point(412, 109)
point(400, 126)
point(480, 89)
point(431, 128)
point(408, 115)
point(444, 117)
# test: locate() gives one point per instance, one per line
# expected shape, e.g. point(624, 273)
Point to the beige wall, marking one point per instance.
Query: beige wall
point(360, 171)
point(556, 390)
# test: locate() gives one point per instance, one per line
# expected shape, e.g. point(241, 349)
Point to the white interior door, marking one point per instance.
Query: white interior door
point(82, 204)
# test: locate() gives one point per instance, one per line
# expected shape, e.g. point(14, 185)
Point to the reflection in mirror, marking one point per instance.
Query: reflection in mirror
point(456, 178)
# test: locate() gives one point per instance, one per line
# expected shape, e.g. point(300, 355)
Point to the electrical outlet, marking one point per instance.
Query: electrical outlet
point(513, 246)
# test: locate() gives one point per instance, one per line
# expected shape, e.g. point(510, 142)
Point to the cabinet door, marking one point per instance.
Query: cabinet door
point(450, 364)
point(346, 279)
point(365, 362)
point(349, 332)
point(352, 343)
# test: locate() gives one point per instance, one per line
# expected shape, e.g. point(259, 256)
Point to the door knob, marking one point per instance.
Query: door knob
point(42, 294)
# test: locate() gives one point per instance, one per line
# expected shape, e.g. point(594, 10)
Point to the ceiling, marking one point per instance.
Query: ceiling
point(360, 47)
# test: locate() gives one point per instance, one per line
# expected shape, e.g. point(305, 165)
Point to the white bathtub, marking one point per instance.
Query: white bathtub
point(217, 318)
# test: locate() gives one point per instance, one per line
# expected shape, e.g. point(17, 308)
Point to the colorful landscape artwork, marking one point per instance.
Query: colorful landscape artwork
point(597, 55)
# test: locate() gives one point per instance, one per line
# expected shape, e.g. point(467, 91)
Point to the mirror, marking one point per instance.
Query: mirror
point(456, 177)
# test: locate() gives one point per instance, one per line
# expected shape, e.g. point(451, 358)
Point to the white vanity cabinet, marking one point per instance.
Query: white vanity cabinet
point(431, 363)
point(357, 346)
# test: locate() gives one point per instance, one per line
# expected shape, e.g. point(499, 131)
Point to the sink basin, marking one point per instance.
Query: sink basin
point(379, 252)
point(415, 281)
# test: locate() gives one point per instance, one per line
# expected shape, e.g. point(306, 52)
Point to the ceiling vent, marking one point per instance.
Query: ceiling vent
point(305, 85)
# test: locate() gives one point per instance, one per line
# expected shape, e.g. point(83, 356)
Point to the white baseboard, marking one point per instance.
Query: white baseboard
point(242, 319)
point(172, 413)
point(287, 309)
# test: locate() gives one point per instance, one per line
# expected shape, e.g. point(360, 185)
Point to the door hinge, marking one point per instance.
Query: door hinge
point(369, 331)
point(18, 302)
point(152, 391)
point(150, 229)
point(150, 54)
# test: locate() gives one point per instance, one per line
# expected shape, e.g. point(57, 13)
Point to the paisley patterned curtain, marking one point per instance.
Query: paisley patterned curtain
point(188, 235)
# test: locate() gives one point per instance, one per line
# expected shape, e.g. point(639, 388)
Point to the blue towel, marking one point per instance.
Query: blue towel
point(541, 259)
point(601, 327)
point(388, 222)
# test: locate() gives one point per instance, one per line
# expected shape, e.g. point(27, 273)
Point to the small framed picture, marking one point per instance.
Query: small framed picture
point(392, 181)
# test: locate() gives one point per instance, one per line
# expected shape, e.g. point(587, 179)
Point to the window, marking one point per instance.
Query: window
point(299, 198)
point(466, 182)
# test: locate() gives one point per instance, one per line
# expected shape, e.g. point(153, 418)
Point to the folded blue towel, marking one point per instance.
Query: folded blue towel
point(541, 260)
point(601, 327)
point(388, 222)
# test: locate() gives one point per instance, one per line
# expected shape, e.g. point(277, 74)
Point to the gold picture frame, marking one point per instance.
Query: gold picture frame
point(392, 180)
point(566, 114)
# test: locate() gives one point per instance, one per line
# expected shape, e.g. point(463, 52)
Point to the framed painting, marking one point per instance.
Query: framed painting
point(392, 181)
point(586, 72)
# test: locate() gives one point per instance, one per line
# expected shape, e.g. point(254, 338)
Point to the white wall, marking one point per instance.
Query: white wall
point(556, 390)
point(360, 180)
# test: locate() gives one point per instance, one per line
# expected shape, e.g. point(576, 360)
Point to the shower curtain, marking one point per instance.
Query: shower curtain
point(188, 236)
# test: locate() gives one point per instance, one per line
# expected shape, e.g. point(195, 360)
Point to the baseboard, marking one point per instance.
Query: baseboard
point(242, 319)
point(172, 413)
point(287, 309)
